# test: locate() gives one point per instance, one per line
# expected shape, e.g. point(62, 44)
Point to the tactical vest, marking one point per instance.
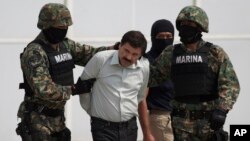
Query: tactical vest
point(193, 79)
point(61, 65)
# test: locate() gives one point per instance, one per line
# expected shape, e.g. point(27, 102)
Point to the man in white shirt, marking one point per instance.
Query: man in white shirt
point(121, 79)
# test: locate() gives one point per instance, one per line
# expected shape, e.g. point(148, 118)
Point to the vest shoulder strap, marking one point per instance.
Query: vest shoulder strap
point(177, 49)
point(46, 47)
point(206, 48)
point(208, 44)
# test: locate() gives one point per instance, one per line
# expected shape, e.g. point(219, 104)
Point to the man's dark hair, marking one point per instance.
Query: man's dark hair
point(136, 39)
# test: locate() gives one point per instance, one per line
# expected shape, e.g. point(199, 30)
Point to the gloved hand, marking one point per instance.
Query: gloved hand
point(218, 119)
point(219, 135)
point(82, 86)
point(116, 46)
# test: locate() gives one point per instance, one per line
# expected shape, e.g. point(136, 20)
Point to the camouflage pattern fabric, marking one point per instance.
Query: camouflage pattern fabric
point(194, 14)
point(35, 66)
point(190, 130)
point(228, 91)
point(54, 14)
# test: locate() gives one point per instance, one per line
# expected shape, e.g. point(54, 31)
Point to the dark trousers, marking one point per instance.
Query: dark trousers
point(103, 130)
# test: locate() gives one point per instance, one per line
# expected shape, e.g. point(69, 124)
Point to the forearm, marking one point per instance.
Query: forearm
point(48, 90)
point(143, 117)
point(229, 87)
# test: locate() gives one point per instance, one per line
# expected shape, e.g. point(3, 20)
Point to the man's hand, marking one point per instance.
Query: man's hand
point(82, 86)
point(149, 137)
point(218, 119)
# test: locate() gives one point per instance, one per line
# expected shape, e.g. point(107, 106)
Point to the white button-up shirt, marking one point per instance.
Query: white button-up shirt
point(117, 90)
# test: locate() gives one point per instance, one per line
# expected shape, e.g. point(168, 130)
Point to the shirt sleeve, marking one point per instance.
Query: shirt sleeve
point(34, 63)
point(92, 68)
point(228, 84)
point(141, 94)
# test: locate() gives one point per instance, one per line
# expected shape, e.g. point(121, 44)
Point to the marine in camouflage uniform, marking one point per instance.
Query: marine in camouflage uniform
point(206, 86)
point(47, 64)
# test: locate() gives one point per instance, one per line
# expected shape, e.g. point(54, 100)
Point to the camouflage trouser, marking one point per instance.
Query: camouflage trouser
point(32, 133)
point(38, 135)
point(43, 128)
point(39, 126)
point(46, 128)
point(191, 130)
point(63, 135)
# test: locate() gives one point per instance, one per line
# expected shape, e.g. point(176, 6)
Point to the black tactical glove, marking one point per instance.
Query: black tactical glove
point(82, 86)
point(116, 46)
point(219, 135)
point(218, 119)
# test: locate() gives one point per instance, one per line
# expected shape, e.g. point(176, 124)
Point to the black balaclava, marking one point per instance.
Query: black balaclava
point(189, 34)
point(158, 45)
point(55, 35)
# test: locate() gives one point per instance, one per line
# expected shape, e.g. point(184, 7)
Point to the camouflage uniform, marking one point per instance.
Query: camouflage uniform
point(187, 128)
point(35, 66)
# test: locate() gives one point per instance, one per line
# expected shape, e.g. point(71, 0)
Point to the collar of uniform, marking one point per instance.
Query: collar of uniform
point(42, 37)
point(199, 45)
point(115, 61)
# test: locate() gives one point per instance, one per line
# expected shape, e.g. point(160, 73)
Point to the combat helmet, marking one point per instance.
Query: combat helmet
point(54, 14)
point(194, 14)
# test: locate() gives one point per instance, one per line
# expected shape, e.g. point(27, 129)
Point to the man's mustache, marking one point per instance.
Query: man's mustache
point(127, 60)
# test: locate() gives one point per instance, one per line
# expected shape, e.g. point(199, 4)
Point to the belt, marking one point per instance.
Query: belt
point(159, 112)
point(114, 124)
point(43, 109)
point(193, 115)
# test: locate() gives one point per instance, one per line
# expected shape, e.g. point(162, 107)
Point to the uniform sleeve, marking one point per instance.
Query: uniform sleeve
point(141, 94)
point(161, 68)
point(34, 64)
point(82, 53)
point(228, 84)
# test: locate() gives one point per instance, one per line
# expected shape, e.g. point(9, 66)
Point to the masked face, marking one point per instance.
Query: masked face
point(189, 34)
point(160, 44)
point(55, 35)
point(161, 41)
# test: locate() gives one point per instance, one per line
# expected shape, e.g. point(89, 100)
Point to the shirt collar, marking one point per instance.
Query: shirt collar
point(115, 61)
